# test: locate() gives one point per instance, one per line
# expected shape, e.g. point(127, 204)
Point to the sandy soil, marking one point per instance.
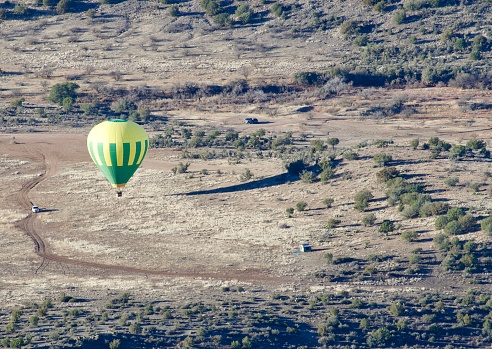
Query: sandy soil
point(169, 232)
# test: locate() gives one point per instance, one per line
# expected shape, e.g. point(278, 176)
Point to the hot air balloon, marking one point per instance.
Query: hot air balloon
point(117, 147)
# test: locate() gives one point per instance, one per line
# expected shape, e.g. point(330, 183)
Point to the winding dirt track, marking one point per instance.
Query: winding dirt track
point(30, 225)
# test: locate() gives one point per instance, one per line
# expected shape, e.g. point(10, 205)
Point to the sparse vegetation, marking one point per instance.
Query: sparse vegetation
point(190, 75)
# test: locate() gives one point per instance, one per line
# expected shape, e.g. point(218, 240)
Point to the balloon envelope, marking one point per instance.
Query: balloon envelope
point(117, 147)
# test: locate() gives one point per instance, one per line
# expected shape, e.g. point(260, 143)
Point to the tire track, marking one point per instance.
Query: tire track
point(29, 225)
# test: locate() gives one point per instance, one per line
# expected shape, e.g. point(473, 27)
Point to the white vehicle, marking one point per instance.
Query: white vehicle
point(35, 209)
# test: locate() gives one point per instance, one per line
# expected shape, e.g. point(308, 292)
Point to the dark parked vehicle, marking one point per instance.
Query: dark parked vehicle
point(251, 121)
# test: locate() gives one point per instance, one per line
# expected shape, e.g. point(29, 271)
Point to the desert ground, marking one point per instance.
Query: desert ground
point(194, 228)
point(208, 244)
point(187, 237)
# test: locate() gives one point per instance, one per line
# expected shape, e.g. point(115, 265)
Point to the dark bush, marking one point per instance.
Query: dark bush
point(309, 78)
point(63, 90)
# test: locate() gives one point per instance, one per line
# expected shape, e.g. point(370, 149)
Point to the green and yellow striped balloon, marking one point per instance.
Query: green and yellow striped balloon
point(117, 147)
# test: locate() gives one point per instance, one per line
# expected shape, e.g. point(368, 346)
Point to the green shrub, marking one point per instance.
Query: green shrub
point(409, 235)
point(328, 202)
point(115, 344)
point(135, 328)
point(441, 242)
point(397, 309)
point(289, 211)
point(369, 219)
point(246, 175)
point(181, 168)
point(466, 222)
point(63, 6)
point(350, 155)
point(433, 209)
point(333, 142)
point(301, 206)
point(174, 10)
point(33, 320)
point(362, 199)
point(475, 55)
point(63, 90)
point(447, 35)
point(451, 181)
point(20, 9)
point(308, 78)
point(277, 9)
point(382, 159)
point(332, 223)
point(457, 152)
point(329, 257)
point(327, 174)
point(455, 213)
point(379, 338)
point(211, 7)
point(476, 144)
point(386, 227)
point(475, 187)
point(380, 7)
point(307, 176)
point(452, 228)
point(414, 143)
point(244, 13)
point(223, 20)
point(295, 167)
point(459, 45)
point(480, 43)
point(486, 225)
point(361, 40)
point(399, 17)
point(386, 174)
point(349, 28)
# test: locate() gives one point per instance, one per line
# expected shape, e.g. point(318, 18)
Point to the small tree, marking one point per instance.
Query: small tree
point(63, 90)
point(223, 19)
point(379, 337)
point(362, 200)
point(386, 227)
point(244, 13)
point(399, 17)
point(211, 7)
point(457, 152)
point(414, 143)
point(333, 142)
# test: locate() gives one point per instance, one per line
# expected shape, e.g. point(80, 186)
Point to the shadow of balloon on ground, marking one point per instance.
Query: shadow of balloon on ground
point(279, 179)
